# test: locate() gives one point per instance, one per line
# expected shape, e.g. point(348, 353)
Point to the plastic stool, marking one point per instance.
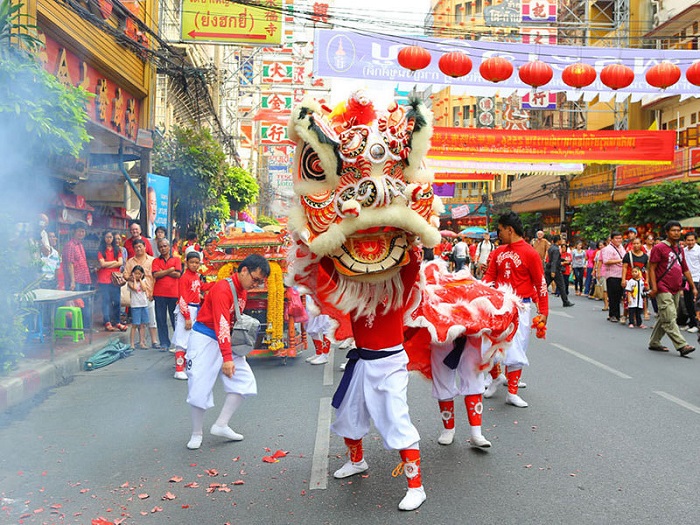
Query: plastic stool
point(69, 317)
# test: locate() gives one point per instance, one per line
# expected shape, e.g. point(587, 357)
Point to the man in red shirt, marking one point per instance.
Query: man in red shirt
point(209, 353)
point(135, 230)
point(517, 264)
point(77, 270)
point(667, 267)
point(166, 271)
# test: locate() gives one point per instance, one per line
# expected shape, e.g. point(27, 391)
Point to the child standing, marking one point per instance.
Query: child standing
point(141, 294)
point(190, 287)
point(635, 298)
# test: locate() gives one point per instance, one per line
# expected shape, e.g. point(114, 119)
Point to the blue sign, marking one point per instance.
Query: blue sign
point(157, 203)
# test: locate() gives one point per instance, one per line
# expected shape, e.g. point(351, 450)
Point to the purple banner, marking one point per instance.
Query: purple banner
point(373, 57)
point(444, 189)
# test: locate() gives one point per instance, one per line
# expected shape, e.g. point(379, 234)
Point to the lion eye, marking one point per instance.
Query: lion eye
point(310, 165)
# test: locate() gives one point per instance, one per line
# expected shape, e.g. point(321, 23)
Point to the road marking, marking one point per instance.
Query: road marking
point(561, 314)
point(592, 361)
point(680, 402)
point(328, 369)
point(319, 464)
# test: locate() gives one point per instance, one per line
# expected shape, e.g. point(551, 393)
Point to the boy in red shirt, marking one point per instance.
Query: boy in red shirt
point(190, 289)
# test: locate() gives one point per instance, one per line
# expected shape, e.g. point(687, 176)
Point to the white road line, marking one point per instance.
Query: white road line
point(592, 361)
point(561, 314)
point(319, 464)
point(680, 402)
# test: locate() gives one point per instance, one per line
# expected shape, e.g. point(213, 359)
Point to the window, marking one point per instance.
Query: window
point(458, 13)
point(693, 118)
point(681, 124)
point(479, 8)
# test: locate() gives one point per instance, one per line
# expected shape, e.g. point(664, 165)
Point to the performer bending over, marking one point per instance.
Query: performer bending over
point(209, 352)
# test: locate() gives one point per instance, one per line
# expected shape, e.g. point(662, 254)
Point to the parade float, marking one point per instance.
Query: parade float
point(278, 336)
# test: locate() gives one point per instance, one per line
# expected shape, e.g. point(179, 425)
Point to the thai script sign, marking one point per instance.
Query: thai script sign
point(230, 22)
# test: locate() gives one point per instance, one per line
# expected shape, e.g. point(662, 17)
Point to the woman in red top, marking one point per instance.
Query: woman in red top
point(110, 260)
point(566, 259)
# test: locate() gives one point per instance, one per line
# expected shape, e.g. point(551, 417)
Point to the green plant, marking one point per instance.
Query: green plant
point(265, 220)
point(241, 188)
point(594, 222)
point(662, 203)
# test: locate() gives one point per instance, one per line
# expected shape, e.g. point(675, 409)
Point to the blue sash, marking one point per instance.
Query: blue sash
point(204, 329)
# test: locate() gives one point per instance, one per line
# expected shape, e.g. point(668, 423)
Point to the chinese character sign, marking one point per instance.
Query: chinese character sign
point(232, 22)
point(539, 10)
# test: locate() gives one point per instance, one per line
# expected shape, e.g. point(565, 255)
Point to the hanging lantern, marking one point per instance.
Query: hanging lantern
point(693, 73)
point(578, 75)
point(414, 58)
point(617, 76)
point(455, 64)
point(663, 75)
point(496, 69)
point(535, 73)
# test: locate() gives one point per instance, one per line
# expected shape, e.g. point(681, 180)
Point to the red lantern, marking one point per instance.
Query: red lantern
point(496, 69)
point(693, 73)
point(663, 75)
point(414, 58)
point(455, 64)
point(578, 75)
point(535, 73)
point(617, 76)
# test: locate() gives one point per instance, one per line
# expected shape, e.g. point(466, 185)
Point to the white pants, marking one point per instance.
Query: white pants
point(152, 314)
point(181, 334)
point(317, 326)
point(378, 391)
point(516, 357)
point(203, 366)
point(471, 381)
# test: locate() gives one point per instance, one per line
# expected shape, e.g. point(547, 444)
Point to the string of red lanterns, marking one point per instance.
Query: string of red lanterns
point(537, 73)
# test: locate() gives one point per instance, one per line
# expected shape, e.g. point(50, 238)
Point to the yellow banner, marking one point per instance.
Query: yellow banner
point(228, 22)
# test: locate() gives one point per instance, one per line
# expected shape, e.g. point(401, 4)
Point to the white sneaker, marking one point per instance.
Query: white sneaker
point(479, 442)
point(684, 327)
point(195, 442)
point(516, 401)
point(308, 359)
point(343, 365)
point(693, 329)
point(350, 469)
point(491, 390)
point(320, 359)
point(522, 385)
point(447, 436)
point(225, 432)
point(180, 375)
point(413, 499)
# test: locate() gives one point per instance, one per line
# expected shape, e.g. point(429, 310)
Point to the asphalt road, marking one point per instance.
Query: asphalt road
point(610, 437)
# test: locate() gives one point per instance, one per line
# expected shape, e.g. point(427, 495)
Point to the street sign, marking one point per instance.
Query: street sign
point(214, 21)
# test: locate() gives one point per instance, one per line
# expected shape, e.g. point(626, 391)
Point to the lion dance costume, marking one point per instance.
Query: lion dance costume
point(363, 201)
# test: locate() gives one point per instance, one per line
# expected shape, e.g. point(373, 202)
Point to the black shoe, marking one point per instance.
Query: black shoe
point(568, 304)
point(155, 345)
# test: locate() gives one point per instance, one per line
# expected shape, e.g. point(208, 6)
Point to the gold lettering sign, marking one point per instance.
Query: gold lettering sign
point(62, 73)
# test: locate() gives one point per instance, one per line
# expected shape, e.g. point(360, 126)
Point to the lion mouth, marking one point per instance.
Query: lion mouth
point(371, 251)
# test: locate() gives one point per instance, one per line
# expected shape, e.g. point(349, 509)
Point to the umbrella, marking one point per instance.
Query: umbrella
point(692, 222)
point(473, 232)
point(245, 227)
point(448, 233)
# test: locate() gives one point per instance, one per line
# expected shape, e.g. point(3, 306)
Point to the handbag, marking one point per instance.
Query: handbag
point(598, 291)
point(118, 279)
point(245, 330)
point(295, 307)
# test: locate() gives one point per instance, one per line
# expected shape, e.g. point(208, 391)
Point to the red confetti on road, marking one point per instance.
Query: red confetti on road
point(168, 496)
point(269, 459)
point(143, 496)
point(280, 454)
point(175, 479)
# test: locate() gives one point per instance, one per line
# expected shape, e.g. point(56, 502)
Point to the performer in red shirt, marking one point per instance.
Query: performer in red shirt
point(190, 289)
point(166, 272)
point(209, 352)
point(518, 264)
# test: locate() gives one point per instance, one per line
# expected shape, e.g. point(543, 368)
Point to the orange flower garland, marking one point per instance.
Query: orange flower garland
point(275, 307)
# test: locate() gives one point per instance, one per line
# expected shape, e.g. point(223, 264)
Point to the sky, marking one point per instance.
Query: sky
point(384, 16)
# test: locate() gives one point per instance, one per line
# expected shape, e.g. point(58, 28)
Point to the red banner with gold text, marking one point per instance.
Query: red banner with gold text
point(563, 146)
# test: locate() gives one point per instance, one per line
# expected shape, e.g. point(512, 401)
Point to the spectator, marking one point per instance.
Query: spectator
point(611, 264)
point(135, 230)
point(109, 258)
point(141, 294)
point(578, 265)
point(667, 266)
point(50, 261)
point(145, 261)
point(210, 251)
point(541, 245)
point(692, 259)
point(77, 271)
point(160, 233)
point(635, 298)
point(631, 236)
point(635, 258)
point(166, 271)
point(554, 271)
point(566, 268)
point(590, 267)
point(649, 242)
point(459, 254)
point(483, 250)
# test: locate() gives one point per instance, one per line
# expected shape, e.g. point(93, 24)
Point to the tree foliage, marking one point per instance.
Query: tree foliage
point(594, 222)
point(661, 203)
point(266, 220)
point(242, 189)
point(196, 165)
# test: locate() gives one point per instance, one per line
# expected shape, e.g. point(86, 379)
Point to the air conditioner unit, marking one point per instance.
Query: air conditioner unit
point(457, 123)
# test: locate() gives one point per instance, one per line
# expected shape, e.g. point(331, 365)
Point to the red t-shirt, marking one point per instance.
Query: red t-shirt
point(74, 253)
point(670, 267)
point(166, 286)
point(104, 275)
point(217, 311)
point(519, 265)
point(190, 287)
point(566, 268)
point(129, 245)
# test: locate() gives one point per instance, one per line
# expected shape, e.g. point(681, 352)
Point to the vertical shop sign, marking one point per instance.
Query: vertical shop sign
point(157, 203)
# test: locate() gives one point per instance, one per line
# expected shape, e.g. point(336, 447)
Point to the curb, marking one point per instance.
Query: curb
point(34, 376)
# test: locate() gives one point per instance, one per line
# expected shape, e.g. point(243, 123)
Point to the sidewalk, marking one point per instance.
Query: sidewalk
point(36, 371)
